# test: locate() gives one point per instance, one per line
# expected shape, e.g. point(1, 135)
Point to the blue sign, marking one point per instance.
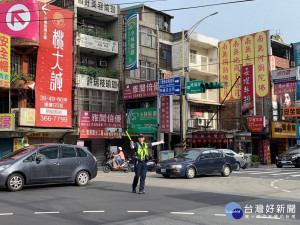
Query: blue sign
point(170, 86)
point(297, 54)
point(298, 130)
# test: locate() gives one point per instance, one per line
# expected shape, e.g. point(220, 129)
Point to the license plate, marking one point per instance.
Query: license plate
point(283, 161)
point(163, 170)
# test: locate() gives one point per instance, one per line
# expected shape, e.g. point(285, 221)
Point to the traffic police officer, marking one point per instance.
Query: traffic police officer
point(142, 155)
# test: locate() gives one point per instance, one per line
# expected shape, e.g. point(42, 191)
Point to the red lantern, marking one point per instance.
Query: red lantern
point(194, 142)
point(202, 136)
point(199, 141)
point(208, 136)
point(195, 136)
point(204, 141)
point(225, 141)
point(188, 141)
point(214, 141)
point(208, 141)
point(219, 141)
point(230, 141)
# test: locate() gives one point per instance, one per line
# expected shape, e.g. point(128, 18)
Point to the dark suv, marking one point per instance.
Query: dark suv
point(47, 163)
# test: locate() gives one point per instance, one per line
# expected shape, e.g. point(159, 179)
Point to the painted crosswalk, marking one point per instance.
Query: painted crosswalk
point(269, 172)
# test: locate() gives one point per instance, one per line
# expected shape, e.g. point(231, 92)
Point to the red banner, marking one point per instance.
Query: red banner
point(247, 90)
point(165, 114)
point(53, 89)
point(140, 90)
point(256, 123)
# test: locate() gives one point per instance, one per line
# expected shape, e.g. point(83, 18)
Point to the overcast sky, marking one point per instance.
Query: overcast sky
point(233, 20)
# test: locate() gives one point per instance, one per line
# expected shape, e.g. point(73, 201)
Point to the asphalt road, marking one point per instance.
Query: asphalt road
point(108, 200)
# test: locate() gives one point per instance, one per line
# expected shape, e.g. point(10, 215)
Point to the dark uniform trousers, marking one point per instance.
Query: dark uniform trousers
point(140, 172)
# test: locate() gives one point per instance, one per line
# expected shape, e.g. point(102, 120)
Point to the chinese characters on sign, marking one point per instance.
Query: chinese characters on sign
point(54, 68)
point(96, 43)
point(291, 111)
point(142, 116)
point(100, 83)
point(246, 50)
point(132, 39)
point(256, 123)
point(166, 121)
point(247, 90)
point(283, 130)
point(286, 87)
point(140, 90)
point(170, 86)
point(7, 122)
point(100, 125)
point(4, 61)
point(98, 6)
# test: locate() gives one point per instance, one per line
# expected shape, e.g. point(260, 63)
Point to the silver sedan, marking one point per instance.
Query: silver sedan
point(240, 162)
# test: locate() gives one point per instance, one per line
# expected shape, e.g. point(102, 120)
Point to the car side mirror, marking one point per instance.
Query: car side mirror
point(39, 159)
point(201, 157)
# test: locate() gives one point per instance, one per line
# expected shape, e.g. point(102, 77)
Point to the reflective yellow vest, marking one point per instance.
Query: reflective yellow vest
point(142, 152)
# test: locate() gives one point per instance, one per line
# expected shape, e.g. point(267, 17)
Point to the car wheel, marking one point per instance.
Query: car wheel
point(15, 182)
point(82, 178)
point(279, 166)
point(166, 175)
point(226, 171)
point(190, 173)
point(237, 166)
point(106, 169)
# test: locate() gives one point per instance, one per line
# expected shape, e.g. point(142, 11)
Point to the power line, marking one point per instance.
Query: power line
point(165, 10)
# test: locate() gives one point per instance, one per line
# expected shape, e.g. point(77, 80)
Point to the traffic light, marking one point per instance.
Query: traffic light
point(213, 85)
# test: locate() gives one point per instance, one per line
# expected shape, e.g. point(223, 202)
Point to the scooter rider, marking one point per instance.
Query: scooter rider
point(142, 155)
point(119, 158)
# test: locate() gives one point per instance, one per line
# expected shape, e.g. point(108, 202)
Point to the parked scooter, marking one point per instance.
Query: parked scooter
point(150, 165)
point(111, 165)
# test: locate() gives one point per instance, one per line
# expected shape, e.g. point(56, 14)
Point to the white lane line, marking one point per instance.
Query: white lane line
point(94, 211)
point(266, 217)
point(183, 213)
point(6, 214)
point(298, 175)
point(137, 211)
point(276, 174)
point(220, 215)
point(46, 212)
point(286, 190)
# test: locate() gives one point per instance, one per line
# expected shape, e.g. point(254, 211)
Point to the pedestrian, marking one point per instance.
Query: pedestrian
point(142, 155)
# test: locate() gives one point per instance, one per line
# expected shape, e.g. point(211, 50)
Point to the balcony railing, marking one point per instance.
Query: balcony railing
point(232, 124)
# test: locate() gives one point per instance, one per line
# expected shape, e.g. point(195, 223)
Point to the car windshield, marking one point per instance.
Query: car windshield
point(191, 154)
point(293, 150)
point(19, 153)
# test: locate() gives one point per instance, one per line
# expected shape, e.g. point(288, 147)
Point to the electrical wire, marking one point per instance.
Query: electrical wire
point(165, 10)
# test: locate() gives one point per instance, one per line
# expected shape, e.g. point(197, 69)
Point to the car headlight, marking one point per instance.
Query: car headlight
point(176, 166)
point(3, 167)
point(294, 157)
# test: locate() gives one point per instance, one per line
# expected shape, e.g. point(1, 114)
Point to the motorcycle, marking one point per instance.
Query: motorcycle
point(110, 165)
point(150, 165)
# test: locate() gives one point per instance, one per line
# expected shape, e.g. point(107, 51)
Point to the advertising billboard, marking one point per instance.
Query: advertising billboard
point(4, 61)
point(252, 49)
point(53, 88)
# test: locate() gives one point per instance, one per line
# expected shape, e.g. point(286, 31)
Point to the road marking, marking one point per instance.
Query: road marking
point(6, 214)
point(183, 213)
point(276, 174)
point(286, 190)
point(137, 211)
point(220, 215)
point(298, 175)
point(46, 212)
point(94, 211)
point(266, 217)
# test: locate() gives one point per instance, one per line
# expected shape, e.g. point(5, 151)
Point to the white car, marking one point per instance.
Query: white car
point(240, 162)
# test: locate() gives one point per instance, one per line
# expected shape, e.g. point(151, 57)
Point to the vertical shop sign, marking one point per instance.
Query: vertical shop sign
point(250, 49)
point(297, 53)
point(54, 68)
point(247, 90)
point(7, 122)
point(4, 61)
point(132, 28)
point(166, 121)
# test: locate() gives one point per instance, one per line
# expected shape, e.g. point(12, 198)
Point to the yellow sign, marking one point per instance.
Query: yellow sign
point(27, 117)
point(7, 122)
point(250, 49)
point(4, 60)
point(19, 143)
point(283, 130)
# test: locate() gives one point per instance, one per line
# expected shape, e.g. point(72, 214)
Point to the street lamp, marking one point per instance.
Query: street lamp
point(185, 36)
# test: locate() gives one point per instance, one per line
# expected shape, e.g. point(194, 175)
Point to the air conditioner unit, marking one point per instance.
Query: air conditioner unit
point(102, 63)
point(200, 122)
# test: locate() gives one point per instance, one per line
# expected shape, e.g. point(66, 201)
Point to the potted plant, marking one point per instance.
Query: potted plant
point(16, 80)
point(254, 161)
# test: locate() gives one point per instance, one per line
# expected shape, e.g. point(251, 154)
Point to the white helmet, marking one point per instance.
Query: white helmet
point(120, 148)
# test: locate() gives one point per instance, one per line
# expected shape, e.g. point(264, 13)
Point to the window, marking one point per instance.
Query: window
point(204, 65)
point(148, 37)
point(30, 158)
point(67, 152)
point(48, 153)
point(15, 63)
point(81, 152)
point(165, 56)
point(206, 154)
point(216, 154)
point(32, 65)
point(148, 70)
point(193, 56)
point(159, 21)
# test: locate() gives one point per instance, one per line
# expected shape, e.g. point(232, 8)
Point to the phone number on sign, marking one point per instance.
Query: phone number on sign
point(54, 118)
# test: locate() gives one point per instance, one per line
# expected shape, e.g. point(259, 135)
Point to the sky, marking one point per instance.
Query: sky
point(233, 20)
